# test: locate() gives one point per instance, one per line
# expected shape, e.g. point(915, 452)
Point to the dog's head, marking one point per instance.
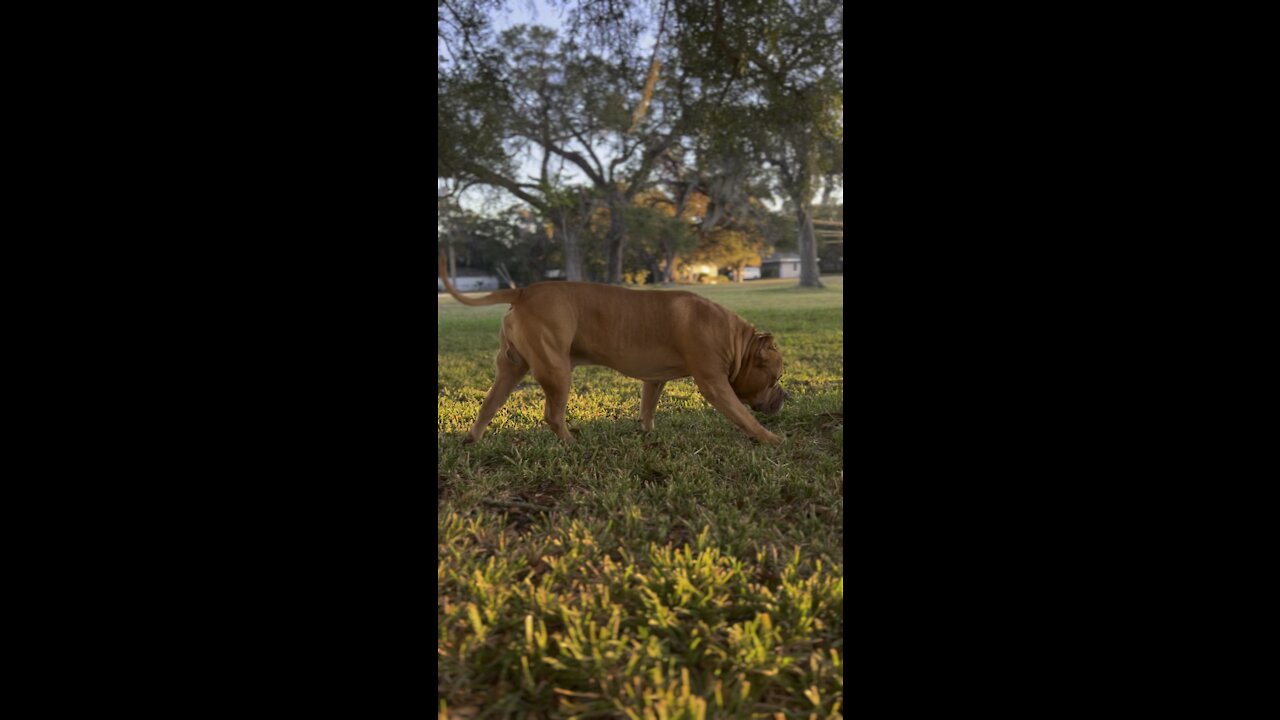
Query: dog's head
point(757, 383)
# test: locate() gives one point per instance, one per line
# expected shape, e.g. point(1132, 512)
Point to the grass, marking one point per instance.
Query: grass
point(685, 573)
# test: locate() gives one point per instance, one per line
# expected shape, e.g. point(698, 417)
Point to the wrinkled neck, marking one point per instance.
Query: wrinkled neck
point(748, 339)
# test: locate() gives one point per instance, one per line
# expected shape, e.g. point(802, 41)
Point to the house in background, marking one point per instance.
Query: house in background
point(781, 265)
point(471, 281)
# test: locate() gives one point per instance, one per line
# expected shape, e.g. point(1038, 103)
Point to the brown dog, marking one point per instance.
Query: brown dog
point(654, 336)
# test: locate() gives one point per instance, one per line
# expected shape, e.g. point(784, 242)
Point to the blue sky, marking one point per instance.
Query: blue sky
point(528, 12)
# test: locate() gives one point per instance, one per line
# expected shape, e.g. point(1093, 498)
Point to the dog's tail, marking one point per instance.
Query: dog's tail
point(493, 298)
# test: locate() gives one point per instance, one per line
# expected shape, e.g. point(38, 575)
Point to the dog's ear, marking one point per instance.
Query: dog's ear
point(766, 343)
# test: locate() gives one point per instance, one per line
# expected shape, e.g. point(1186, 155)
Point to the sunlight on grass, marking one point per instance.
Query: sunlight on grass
point(688, 572)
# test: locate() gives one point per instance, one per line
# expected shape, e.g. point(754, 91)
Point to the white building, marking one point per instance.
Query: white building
point(471, 281)
point(781, 265)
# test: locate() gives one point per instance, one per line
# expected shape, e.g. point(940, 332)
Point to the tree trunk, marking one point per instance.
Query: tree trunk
point(453, 263)
point(670, 271)
point(572, 250)
point(616, 237)
point(572, 258)
point(808, 245)
point(737, 275)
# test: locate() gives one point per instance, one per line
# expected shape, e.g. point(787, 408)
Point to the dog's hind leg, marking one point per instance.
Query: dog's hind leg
point(649, 395)
point(555, 384)
point(546, 348)
point(511, 368)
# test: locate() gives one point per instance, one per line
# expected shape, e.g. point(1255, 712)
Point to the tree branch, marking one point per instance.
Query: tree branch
point(488, 177)
point(646, 165)
point(581, 162)
point(626, 155)
point(590, 150)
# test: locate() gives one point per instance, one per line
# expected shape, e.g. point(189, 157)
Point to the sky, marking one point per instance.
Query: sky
point(528, 12)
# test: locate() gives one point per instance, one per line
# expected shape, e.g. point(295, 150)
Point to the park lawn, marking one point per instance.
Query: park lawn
point(684, 573)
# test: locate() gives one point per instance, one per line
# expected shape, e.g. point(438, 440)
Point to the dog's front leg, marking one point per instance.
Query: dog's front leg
point(720, 394)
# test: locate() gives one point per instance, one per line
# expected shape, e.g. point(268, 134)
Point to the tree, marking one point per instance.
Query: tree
point(475, 240)
point(466, 127)
point(574, 107)
point(595, 115)
point(724, 195)
point(732, 248)
point(478, 144)
point(729, 90)
point(778, 65)
point(512, 241)
point(663, 228)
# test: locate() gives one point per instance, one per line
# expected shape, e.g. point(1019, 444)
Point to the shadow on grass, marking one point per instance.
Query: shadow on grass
point(676, 430)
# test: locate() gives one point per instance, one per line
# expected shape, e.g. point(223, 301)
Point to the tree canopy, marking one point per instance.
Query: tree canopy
point(640, 105)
